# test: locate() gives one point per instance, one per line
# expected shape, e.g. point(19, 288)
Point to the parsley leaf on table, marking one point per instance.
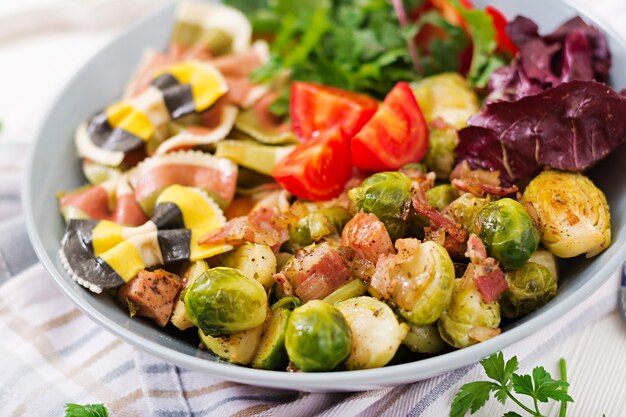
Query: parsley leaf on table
point(87, 410)
point(539, 386)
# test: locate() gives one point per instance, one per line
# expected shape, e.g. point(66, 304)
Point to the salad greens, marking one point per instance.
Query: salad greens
point(362, 46)
point(539, 386)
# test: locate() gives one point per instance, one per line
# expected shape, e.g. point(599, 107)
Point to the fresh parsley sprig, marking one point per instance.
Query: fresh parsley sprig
point(539, 386)
point(87, 410)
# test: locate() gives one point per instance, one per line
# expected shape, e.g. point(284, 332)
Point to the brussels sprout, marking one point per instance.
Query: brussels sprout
point(271, 353)
point(469, 319)
point(507, 231)
point(531, 286)
point(256, 261)
point(440, 156)
point(314, 226)
point(441, 196)
point(573, 213)
point(417, 166)
point(425, 339)
point(387, 195)
point(225, 301)
point(419, 280)
point(288, 303)
point(318, 337)
point(352, 289)
point(465, 208)
point(446, 96)
point(236, 348)
point(179, 315)
point(376, 333)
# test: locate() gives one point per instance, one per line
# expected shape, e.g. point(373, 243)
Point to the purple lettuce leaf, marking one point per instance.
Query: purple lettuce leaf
point(569, 127)
point(481, 148)
point(575, 51)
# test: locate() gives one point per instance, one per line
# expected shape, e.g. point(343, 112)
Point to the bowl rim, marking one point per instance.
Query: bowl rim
point(322, 381)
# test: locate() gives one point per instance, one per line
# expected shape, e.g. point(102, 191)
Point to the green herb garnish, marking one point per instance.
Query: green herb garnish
point(87, 410)
point(539, 386)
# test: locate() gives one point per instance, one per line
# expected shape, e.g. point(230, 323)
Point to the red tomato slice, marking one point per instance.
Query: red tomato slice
point(317, 108)
point(499, 22)
point(395, 136)
point(317, 169)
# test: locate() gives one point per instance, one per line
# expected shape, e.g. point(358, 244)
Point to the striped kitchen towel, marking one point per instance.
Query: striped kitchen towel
point(51, 354)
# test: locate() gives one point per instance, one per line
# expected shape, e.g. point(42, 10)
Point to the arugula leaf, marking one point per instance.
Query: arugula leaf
point(87, 410)
point(471, 397)
point(511, 414)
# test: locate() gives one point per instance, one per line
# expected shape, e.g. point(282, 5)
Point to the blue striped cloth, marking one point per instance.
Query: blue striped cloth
point(51, 354)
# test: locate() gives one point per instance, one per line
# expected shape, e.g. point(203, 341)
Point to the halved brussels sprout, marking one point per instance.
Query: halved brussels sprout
point(440, 155)
point(256, 261)
point(179, 315)
point(507, 231)
point(573, 213)
point(314, 226)
point(271, 353)
point(419, 280)
point(425, 339)
point(387, 195)
point(376, 333)
point(469, 319)
point(289, 303)
point(236, 348)
point(224, 301)
point(465, 208)
point(531, 286)
point(446, 96)
point(318, 337)
point(441, 196)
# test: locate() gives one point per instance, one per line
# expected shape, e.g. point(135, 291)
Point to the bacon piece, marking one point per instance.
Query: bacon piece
point(487, 275)
point(283, 283)
point(264, 226)
point(491, 284)
point(463, 171)
point(438, 220)
point(482, 190)
point(367, 236)
point(476, 251)
point(319, 272)
point(151, 294)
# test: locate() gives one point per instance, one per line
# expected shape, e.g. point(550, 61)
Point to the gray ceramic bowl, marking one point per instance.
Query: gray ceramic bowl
point(53, 166)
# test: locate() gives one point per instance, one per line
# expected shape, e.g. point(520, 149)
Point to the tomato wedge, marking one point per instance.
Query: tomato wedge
point(502, 38)
point(316, 108)
point(317, 169)
point(395, 136)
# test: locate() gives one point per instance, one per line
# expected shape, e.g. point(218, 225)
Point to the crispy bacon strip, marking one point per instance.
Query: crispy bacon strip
point(487, 275)
point(481, 189)
point(463, 171)
point(438, 220)
point(264, 226)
